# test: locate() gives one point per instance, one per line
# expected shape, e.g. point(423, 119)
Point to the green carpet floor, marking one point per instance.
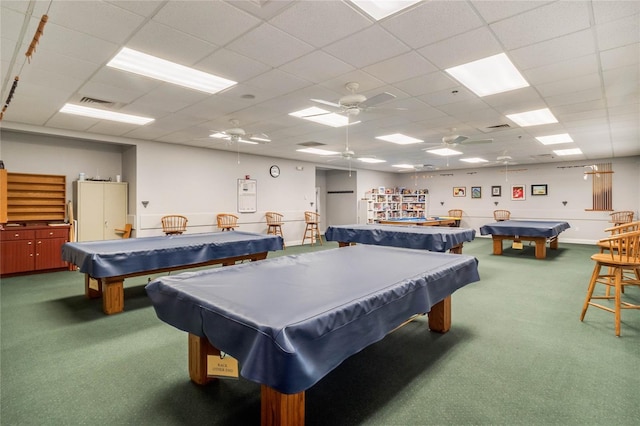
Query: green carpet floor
point(517, 354)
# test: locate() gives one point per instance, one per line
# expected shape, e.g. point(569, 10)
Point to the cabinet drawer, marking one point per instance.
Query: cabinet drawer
point(61, 232)
point(17, 234)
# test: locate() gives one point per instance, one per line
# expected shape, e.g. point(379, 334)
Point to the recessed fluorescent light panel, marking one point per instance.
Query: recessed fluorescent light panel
point(404, 166)
point(160, 69)
point(322, 116)
point(574, 151)
point(474, 160)
point(533, 118)
point(317, 151)
point(555, 139)
point(488, 76)
point(380, 9)
point(104, 114)
point(371, 160)
point(399, 138)
point(445, 152)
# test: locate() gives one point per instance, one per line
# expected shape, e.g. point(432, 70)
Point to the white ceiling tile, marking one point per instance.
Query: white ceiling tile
point(317, 66)
point(66, 42)
point(551, 21)
point(99, 19)
point(432, 21)
point(270, 45)
point(144, 8)
point(403, 67)
point(367, 47)
point(594, 94)
point(320, 22)
point(570, 85)
point(606, 11)
point(548, 52)
point(233, 66)
point(470, 46)
point(562, 70)
point(493, 11)
point(619, 33)
point(428, 83)
point(621, 56)
point(213, 21)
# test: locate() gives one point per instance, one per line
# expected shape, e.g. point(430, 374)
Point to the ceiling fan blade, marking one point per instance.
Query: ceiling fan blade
point(476, 141)
point(377, 99)
point(458, 139)
point(320, 101)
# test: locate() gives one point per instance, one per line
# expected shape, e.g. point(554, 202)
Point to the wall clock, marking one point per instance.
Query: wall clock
point(274, 171)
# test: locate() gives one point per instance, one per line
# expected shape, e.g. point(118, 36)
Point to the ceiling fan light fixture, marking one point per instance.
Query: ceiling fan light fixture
point(554, 139)
point(474, 160)
point(488, 76)
point(533, 118)
point(445, 152)
point(399, 138)
point(160, 69)
point(380, 9)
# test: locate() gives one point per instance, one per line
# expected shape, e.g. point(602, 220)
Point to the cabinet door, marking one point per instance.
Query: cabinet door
point(48, 253)
point(115, 209)
point(17, 256)
point(90, 215)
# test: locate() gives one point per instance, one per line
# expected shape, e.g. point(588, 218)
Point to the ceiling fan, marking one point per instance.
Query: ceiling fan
point(355, 103)
point(453, 139)
point(238, 135)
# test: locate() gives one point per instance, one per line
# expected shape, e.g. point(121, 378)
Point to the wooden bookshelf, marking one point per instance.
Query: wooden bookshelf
point(32, 197)
point(3, 196)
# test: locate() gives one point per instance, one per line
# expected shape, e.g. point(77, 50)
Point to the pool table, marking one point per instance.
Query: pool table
point(538, 231)
point(421, 221)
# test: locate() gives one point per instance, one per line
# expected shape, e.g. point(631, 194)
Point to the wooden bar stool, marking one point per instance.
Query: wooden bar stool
point(500, 215)
point(227, 221)
point(174, 224)
point(621, 217)
point(274, 225)
point(312, 230)
point(456, 213)
point(623, 256)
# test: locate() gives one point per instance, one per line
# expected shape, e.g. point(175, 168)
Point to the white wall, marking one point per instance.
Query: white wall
point(565, 183)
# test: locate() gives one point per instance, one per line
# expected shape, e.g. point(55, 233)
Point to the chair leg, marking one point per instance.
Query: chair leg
point(618, 284)
point(592, 286)
point(318, 234)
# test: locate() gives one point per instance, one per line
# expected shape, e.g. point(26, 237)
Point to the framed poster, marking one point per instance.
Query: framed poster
point(459, 191)
point(247, 195)
point(476, 192)
point(539, 189)
point(496, 191)
point(517, 192)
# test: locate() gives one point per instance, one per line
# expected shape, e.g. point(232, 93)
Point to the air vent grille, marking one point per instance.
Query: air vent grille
point(88, 100)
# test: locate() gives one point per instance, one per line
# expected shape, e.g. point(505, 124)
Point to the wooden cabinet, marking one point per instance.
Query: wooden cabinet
point(100, 209)
point(32, 248)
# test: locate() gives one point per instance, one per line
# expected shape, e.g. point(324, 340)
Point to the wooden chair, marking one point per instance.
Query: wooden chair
point(623, 255)
point(457, 214)
point(312, 230)
point(274, 224)
point(227, 221)
point(174, 224)
point(126, 232)
point(500, 215)
point(616, 230)
point(623, 216)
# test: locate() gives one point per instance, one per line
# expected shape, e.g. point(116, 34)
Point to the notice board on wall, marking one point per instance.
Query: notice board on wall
point(247, 195)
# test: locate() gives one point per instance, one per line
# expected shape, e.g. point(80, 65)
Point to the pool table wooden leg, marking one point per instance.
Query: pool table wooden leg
point(279, 409)
point(497, 245)
point(440, 316)
point(541, 247)
point(112, 295)
point(199, 350)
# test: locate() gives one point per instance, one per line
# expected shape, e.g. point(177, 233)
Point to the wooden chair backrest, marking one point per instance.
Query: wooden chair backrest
point(126, 232)
point(273, 218)
point(499, 215)
point(623, 216)
point(311, 217)
point(624, 247)
point(455, 213)
point(625, 227)
point(174, 224)
point(227, 220)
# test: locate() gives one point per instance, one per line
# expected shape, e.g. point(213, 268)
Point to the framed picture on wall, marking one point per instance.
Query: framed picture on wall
point(496, 191)
point(476, 192)
point(459, 191)
point(539, 189)
point(517, 192)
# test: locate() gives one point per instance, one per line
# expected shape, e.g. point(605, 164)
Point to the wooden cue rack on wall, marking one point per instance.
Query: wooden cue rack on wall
point(26, 197)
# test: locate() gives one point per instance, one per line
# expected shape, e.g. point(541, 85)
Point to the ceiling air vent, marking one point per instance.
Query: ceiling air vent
point(494, 128)
point(311, 144)
point(88, 100)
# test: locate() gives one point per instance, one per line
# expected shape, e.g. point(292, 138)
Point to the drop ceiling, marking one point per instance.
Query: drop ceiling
point(581, 59)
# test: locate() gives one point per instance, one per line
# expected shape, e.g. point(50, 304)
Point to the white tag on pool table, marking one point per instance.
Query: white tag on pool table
point(223, 366)
point(94, 284)
point(517, 245)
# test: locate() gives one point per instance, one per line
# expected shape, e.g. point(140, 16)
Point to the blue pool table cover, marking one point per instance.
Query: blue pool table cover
point(525, 228)
point(291, 320)
point(434, 238)
point(112, 258)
